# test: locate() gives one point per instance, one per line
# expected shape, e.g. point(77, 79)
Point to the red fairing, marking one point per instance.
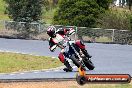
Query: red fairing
point(80, 44)
point(67, 30)
point(61, 57)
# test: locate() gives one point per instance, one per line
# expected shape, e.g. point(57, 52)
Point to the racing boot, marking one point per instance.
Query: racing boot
point(68, 67)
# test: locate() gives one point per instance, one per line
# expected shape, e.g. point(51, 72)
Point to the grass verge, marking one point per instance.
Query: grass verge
point(12, 62)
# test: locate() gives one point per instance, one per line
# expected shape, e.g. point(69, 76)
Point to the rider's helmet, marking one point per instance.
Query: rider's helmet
point(51, 31)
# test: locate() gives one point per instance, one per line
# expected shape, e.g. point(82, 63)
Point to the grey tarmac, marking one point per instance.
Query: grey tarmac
point(107, 58)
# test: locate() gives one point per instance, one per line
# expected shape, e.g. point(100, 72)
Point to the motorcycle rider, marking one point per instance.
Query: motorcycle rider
point(56, 40)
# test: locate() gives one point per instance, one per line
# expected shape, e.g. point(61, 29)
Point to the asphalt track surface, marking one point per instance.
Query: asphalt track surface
point(107, 58)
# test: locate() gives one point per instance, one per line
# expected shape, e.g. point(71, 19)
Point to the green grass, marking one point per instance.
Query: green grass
point(11, 62)
point(48, 15)
point(2, 10)
point(2, 6)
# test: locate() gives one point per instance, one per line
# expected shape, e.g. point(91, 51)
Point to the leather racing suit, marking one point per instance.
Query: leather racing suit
point(58, 41)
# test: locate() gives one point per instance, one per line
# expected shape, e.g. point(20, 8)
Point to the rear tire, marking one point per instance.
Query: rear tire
point(81, 80)
point(75, 61)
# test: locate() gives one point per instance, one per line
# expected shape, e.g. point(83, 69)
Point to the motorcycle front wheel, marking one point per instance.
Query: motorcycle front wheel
point(88, 64)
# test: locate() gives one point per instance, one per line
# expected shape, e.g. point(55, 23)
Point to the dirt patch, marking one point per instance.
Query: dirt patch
point(61, 84)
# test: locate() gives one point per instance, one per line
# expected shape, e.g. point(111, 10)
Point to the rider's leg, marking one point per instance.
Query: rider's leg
point(61, 57)
point(68, 66)
point(65, 61)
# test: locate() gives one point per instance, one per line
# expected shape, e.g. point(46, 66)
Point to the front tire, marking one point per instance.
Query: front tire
point(88, 64)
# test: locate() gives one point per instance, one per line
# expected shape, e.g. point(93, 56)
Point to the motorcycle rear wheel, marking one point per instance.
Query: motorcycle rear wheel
point(76, 62)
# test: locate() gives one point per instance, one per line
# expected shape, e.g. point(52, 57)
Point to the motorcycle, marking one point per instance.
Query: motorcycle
point(78, 54)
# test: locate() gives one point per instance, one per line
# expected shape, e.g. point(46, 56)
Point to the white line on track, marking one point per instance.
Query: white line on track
point(19, 52)
point(11, 74)
point(22, 73)
point(56, 70)
point(36, 72)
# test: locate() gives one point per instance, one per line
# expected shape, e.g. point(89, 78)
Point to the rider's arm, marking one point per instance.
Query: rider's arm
point(61, 46)
point(71, 31)
point(52, 45)
point(66, 31)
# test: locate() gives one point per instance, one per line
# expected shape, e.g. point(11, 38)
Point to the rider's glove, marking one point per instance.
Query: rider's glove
point(71, 31)
point(52, 49)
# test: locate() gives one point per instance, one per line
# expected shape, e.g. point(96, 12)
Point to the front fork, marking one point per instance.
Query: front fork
point(80, 46)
